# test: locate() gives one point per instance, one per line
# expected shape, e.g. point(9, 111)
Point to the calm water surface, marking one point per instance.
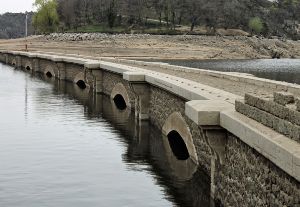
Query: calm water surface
point(61, 146)
point(287, 70)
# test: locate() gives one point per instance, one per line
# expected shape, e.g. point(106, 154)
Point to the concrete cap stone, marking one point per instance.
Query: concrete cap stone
point(79, 61)
point(57, 59)
point(31, 55)
point(44, 56)
point(284, 98)
point(134, 76)
point(114, 67)
point(206, 112)
point(92, 64)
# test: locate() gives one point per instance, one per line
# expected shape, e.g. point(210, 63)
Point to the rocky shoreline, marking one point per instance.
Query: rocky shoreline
point(273, 48)
point(147, 46)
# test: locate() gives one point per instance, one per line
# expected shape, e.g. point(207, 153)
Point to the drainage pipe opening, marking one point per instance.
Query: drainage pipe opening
point(120, 102)
point(178, 146)
point(81, 84)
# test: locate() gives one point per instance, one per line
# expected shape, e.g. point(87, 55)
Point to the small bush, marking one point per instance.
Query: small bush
point(256, 25)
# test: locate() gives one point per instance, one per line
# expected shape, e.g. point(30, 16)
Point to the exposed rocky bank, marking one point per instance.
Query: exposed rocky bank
point(159, 46)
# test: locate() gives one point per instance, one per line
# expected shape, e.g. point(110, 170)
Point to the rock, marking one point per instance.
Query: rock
point(284, 98)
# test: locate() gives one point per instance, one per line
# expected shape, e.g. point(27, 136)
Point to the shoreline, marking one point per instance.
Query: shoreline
point(158, 46)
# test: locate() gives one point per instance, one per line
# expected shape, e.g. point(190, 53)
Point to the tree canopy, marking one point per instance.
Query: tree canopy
point(46, 18)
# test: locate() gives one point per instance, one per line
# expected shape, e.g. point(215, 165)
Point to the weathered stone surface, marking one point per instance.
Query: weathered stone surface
point(268, 105)
point(267, 119)
point(249, 179)
point(283, 98)
point(162, 105)
point(110, 80)
point(298, 104)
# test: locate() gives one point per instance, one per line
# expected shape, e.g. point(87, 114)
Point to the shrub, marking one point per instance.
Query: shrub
point(256, 25)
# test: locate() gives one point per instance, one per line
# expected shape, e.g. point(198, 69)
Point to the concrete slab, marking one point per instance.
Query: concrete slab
point(92, 64)
point(115, 68)
point(78, 61)
point(134, 76)
point(206, 112)
point(57, 59)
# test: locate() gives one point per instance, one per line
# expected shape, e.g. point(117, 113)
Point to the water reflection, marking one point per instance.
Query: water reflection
point(73, 146)
point(147, 150)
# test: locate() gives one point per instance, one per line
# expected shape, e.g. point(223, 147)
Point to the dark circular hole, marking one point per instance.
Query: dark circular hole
point(178, 146)
point(120, 102)
point(27, 68)
point(81, 84)
point(49, 75)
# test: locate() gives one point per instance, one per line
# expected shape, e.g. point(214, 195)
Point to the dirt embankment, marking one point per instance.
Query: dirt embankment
point(159, 46)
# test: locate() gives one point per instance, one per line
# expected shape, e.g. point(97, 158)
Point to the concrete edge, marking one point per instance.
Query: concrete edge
point(206, 112)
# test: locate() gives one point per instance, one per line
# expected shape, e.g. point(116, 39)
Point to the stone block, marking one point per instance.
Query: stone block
point(115, 68)
point(280, 125)
point(78, 61)
point(134, 76)
point(57, 59)
point(266, 104)
point(206, 112)
point(283, 98)
point(92, 64)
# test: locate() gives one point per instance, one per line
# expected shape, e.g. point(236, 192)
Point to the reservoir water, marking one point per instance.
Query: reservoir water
point(62, 146)
point(287, 70)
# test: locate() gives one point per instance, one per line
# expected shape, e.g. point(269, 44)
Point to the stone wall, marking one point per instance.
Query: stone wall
point(249, 179)
point(162, 105)
point(2, 58)
point(110, 80)
point(43, 64)
point(11, 58)
point(72, 70)
point(278, 112)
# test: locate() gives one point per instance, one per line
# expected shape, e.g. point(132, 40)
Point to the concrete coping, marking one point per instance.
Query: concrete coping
point(134, 76)
point(32, 55)
point(45, 56)
point(92, 64)
point(206, 112)
point(116, 68)
point(57, 59)
point(189, 90)
point(241, 77)
point(281, 150)
point(78, 61)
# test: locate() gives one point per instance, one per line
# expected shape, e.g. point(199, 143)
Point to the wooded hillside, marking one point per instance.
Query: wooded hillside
point(12, 25)
point(279, 18)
